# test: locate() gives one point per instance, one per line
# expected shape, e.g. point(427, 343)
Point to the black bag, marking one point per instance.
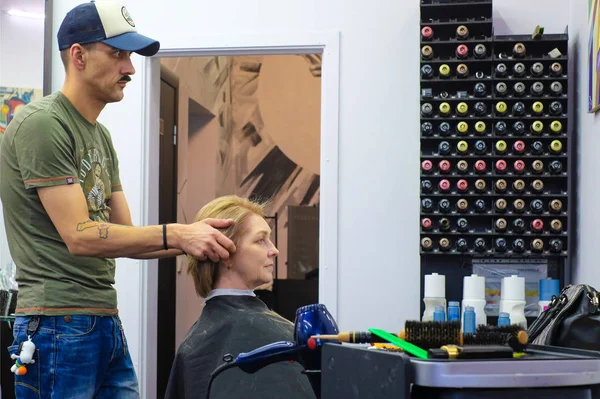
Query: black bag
point(571, 320)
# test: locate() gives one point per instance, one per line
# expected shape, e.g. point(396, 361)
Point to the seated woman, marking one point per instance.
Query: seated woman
point(234, 320)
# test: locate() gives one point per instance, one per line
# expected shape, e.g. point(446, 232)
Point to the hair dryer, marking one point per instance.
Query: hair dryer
point(310, 320)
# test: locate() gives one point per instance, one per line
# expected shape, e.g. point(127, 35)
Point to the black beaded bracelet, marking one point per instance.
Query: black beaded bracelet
point(165, 237)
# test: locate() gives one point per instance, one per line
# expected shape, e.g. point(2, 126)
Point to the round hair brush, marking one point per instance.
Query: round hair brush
point(434, 334)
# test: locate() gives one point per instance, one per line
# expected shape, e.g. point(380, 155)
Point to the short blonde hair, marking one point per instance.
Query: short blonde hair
point(206, 273)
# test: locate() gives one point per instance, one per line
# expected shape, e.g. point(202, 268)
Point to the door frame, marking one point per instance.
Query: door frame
point(176, 45)
point(167, 304)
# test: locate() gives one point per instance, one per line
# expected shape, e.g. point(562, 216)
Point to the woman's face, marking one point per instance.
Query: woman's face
point(254, 257)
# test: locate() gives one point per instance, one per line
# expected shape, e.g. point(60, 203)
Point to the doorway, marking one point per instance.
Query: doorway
point(325, 43)
point(248, 126)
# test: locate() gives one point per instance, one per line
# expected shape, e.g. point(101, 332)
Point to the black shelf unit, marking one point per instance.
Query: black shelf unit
point(518, 126)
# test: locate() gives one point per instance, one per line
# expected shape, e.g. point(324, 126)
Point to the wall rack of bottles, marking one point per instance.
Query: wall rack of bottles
point(494, 137)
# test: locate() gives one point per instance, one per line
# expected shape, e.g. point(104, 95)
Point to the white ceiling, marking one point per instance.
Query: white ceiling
point(23, 5)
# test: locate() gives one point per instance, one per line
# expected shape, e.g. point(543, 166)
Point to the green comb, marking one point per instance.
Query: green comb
point(406, 346)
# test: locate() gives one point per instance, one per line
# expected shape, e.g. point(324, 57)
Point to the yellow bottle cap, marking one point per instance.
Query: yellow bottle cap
point(444, 108)
point(501, 107)
point(556, 145)
point(444, 70)
point(537, 126)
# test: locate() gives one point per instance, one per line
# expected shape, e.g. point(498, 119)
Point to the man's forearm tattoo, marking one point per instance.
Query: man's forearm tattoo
point(89, 224)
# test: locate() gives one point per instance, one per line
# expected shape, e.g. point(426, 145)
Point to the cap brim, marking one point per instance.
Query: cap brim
point(133, 41)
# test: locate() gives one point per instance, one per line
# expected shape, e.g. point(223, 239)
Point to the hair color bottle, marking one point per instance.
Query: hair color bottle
point(434, 295)
point(512, 299)
point(474, 295)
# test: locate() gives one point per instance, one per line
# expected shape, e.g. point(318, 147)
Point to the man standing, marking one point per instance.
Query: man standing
point(67, 217)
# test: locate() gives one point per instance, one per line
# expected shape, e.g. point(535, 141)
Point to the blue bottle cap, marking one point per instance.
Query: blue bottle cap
point(469, 320)
point(503, 319)
point(453, 311)
point(549, 287)
point(439, 314)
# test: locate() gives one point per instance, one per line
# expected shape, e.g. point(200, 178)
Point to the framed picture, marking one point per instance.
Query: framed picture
point(12, 99)
point(594, 56)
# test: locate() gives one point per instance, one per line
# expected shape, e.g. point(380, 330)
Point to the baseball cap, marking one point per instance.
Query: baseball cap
point(104, 21)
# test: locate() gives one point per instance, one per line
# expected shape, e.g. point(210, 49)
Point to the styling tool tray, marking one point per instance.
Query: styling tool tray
point(540, 366)
point(353, 371)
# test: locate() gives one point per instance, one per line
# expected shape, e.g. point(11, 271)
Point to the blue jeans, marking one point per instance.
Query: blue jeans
point(76, 357)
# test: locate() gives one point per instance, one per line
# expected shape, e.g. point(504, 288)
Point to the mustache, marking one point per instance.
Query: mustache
point(125, 78)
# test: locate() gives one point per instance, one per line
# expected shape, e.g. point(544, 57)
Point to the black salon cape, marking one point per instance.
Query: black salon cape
point(234, 324)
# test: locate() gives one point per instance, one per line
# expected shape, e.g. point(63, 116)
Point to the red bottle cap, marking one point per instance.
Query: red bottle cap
point(426, 223)
point(480, 165)
point(426, 32)
point(537, 224)
point(519, 146)
point(427, 165)
point(444, 165)
point(462, 185)
point(462, 50)
point(444, 185)
point(501, 164)
point(519, 165)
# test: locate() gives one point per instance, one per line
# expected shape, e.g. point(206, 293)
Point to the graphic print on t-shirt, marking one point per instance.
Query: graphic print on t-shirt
point(96, 183)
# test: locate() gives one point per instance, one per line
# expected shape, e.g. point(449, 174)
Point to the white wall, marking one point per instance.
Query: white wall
point(2, 16)
point(378, 143)
point(588, 162)
point(21, 51)
point(521, 16)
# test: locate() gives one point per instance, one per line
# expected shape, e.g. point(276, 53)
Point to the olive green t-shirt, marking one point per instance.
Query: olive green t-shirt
point(49, 143)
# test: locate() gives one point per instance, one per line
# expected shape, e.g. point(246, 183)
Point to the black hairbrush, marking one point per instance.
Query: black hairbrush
point(434, 334)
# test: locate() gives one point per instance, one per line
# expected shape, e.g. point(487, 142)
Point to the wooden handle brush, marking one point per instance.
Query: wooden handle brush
point(352, 337)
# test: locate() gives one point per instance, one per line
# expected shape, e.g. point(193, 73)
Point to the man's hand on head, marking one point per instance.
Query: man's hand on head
point(204, 241)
